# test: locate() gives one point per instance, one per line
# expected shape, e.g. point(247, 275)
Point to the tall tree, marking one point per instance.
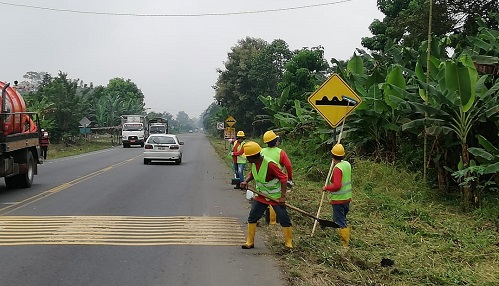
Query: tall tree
point(32, 81)
point(68, 107)
point(406, 21)
point(253, 68)
point(128, 92)
point(303, 73)
point(119, 97)
point(183, 121)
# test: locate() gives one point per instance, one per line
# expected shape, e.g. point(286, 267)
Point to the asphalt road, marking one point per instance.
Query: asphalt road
point(105, 218)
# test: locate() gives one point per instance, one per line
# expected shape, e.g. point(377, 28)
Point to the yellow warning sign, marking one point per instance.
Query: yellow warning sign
point(229, 133)
point(334, 100)
point(230, 121)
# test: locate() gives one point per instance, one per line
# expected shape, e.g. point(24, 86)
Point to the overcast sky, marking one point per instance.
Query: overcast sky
point(173, 60)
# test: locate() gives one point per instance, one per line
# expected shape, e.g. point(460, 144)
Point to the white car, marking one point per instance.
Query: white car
point(163, 147)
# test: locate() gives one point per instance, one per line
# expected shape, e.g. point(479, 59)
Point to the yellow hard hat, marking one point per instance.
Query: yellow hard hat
point(338, 150)
point(269, 136)
point(251, 148)
point(240, 133)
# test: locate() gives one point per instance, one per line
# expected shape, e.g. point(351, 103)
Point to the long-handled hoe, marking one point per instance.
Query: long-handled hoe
point(322, 222)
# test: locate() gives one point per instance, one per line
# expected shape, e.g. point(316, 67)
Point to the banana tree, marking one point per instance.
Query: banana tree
point(272, 106)
point(376, 122)
point(459, 100)
point(488, 157)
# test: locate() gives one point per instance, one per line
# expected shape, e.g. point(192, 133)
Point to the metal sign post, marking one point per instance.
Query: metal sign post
point(85, 122)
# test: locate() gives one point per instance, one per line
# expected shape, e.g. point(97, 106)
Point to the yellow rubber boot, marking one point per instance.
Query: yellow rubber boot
point(288, 236)
point(345, 236)
point(250, 240)
point(272, 215)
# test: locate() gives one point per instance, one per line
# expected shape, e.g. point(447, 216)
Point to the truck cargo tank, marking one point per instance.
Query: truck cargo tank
point(13, 107)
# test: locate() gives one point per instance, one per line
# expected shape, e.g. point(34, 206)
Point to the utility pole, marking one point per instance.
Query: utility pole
point(428, 54)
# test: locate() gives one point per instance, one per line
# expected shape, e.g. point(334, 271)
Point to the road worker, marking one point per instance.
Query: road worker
point(279, 156)
point(270, 180)
point(340, 192)
point(238, 160)
point(44, 143)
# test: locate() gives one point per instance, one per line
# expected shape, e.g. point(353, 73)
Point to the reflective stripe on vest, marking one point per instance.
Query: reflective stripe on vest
point(271, 188)
point(345, 192)
point(240, 158)
point(273, 153)
point(44, 141)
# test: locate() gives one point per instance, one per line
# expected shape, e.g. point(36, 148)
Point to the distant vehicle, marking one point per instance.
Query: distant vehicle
point(163, 147)
point(158, 126)
point(134, 130)
point(190, 131)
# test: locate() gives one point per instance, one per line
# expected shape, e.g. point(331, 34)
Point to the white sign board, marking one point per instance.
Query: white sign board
point(85, 122)
point(220, 126)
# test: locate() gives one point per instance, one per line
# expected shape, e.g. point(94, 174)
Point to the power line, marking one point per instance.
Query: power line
point(173, 15)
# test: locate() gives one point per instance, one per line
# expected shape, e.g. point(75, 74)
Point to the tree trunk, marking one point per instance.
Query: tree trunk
point(443, 182)
point(441, 154)
point(470, 197)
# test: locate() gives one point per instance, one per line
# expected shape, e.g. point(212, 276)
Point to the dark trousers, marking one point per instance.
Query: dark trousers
point(340, 212)
point(258, 209)
point(44, 152)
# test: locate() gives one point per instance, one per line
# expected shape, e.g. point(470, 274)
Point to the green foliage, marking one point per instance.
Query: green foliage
point(68, 108)
point(273, 106)
point(183, 123)
point(488, 156)
point(393, 215)
point(253, 69)
point(375, 125)
point(406, 22)
point(215, 113)
point(304, 73)
point(119, 97)
point(42, 106)
point(80, 147)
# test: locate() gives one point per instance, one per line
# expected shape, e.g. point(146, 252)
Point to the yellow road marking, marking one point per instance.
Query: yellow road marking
point(119, 230)
point(62, 187)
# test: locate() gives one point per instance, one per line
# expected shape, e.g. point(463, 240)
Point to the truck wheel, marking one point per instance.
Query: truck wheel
point(26, 180)
point(23, 180)
point(146, 161)
point(11, 182)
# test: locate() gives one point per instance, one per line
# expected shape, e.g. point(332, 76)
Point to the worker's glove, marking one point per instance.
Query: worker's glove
point(290, 184)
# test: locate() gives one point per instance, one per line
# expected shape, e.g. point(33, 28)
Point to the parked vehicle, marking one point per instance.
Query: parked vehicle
point(163, 147)
point(134, 130)
point(20, 151)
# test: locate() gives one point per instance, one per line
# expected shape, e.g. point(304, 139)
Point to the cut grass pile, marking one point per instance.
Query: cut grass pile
point(393, 216)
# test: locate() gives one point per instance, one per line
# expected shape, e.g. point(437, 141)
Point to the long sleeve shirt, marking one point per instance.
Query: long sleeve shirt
point(286, 163)
point(235, 152)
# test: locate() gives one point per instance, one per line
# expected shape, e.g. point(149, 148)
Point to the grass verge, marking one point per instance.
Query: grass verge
point(393, 216)
point(80, 147)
